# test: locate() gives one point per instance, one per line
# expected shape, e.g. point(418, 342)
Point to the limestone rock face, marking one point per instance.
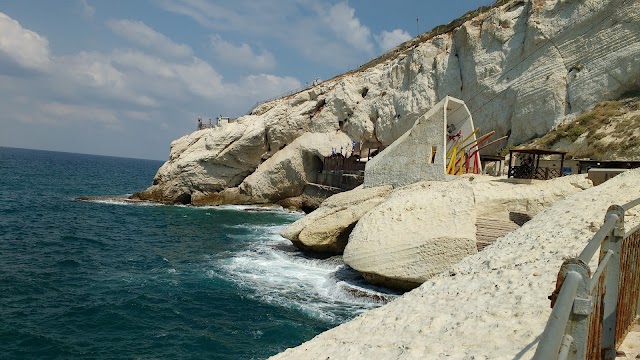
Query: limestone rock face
point(209, 160)
point(327, 229)
point(285, 174)
point(521, 67)
point(417, 233)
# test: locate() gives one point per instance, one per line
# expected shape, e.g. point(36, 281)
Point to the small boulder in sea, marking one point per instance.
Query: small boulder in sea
point(327, 229)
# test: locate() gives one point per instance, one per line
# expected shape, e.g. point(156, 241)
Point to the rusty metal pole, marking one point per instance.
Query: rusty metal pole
point(551, 338)
point(612, 277)
point(578, 324)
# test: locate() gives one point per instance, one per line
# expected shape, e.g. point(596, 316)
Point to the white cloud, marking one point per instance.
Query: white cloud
point(80, 113)
point(88, 11)
point(321, 33)
point(263, 86)
point(241, 55)
point(140, 34)
point(169, 78)
point(91, 69)
point(22, 47)
point(117, 92)
point(387, 40)
point(139, 115)
point(239, 16)
point(341, 19)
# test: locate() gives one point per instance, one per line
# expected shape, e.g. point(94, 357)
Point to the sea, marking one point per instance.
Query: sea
point(111, 279)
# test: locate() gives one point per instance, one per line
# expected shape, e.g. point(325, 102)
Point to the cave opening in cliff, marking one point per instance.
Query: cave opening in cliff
point(184, 199)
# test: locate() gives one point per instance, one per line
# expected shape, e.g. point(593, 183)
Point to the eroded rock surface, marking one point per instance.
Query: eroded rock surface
point(419, 232)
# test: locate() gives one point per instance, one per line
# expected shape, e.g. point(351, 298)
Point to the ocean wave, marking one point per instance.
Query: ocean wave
point(125, 200)
point(273, 271)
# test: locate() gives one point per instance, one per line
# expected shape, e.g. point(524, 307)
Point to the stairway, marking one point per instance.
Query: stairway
point(488, 230)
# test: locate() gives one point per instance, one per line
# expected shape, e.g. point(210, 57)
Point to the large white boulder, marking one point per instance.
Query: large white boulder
point(417, 233)
point(327, 229)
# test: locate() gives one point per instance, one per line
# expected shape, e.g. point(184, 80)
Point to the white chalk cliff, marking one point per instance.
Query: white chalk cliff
point(521, 67)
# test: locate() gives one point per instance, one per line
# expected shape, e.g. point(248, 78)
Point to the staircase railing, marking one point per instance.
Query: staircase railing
point(593, 313)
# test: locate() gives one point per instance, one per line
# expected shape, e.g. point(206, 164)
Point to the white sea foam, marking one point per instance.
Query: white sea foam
point(275, 272)
point(124, 200)
point(250, 208)
point(118, 200)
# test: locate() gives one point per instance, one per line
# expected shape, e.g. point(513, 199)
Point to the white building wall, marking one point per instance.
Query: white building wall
point(419, 154)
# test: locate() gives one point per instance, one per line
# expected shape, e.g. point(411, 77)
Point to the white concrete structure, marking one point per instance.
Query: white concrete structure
point(421, 153)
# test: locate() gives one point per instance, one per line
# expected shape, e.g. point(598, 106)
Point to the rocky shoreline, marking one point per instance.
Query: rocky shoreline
point(490, 305)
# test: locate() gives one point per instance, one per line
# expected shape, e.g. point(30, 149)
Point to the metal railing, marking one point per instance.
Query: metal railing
point(592, 314)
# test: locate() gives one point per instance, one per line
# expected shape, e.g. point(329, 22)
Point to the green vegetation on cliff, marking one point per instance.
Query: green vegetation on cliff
point(611, 130)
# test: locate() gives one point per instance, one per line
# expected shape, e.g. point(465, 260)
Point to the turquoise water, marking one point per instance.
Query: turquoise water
point(111, 280)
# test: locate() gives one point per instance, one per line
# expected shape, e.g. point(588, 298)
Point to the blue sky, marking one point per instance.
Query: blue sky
point(125, 78)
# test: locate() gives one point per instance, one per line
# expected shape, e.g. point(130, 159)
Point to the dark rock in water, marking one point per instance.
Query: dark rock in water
point(312, 196)
point(230, 196)
point(302, 202)
point(354, 284)
point(184, 199)
point(379, 280)
point(259, 210)
point(287, 248)
point(377, 297)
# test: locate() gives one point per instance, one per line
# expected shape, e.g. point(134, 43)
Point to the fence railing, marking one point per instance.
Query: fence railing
point(538, 173)
point(593, 313)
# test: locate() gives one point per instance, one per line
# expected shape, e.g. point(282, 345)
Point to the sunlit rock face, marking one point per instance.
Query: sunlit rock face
point(521, 67)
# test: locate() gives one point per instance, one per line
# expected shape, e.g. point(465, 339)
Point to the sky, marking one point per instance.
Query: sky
point(125, 78)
